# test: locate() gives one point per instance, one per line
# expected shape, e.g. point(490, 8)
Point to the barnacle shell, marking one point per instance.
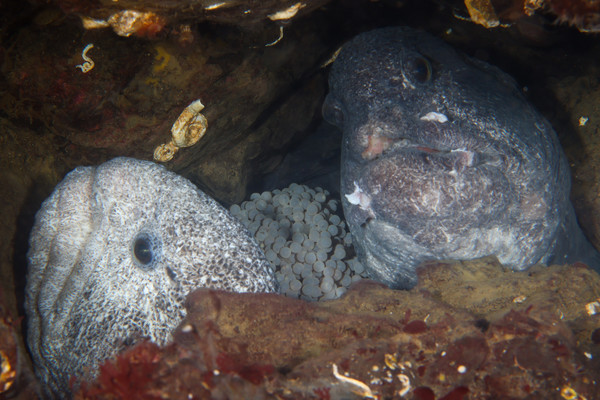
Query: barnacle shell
point(287, 13)
point(127, 22)
point(190, 126)
point(165, 152)
point(186, 131)
point(482, 12)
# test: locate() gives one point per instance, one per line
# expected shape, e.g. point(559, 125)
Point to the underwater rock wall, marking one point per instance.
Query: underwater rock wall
point(126, 104)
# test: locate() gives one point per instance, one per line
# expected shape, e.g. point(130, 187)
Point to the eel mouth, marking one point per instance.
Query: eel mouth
point(456, 159)
point(431, 135)
point(424, 169)
point(404, 180)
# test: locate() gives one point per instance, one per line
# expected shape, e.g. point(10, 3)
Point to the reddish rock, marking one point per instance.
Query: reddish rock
point(269, 346)
point(16, 376)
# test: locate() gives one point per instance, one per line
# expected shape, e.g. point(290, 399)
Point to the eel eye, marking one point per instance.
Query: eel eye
point(421, 69)
point(143, 250)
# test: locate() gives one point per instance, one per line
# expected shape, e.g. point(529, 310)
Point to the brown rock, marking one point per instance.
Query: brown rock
point(255, 99)
point(378, 342)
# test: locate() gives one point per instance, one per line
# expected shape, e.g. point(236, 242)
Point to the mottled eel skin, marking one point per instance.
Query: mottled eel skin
point(443, 158)
point(113, 253)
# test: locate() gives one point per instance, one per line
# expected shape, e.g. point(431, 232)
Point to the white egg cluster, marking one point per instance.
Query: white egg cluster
point(304, 239)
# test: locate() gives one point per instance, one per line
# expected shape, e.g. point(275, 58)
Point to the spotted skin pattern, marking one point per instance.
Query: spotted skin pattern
point(443, 158)
point(113, 253)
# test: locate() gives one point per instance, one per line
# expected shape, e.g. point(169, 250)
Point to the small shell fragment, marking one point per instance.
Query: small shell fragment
point(215, 6)
point(190, 126)
point(127, 22)
point(287, 13)
point(519, 299)
point(91, 23)
point(165, 152)
point(7, 373)
point(406, 386)
point(357, 387)
point(593, 308)
point(332, 58)
point(391, 361)
point(482, 12)
point(434, 117)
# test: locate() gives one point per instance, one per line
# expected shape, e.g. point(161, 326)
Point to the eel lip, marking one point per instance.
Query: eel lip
point(380, 145)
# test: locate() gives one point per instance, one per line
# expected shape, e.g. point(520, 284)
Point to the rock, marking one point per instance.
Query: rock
point(27, 171)
point(148, 19)
point(129, 101)
point(379, 342)
point(16, 377)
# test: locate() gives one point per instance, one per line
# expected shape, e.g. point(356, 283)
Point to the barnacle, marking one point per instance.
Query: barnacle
point(358, 387)
point(189, 127)
point(287, 13)
point(569, 393)
point(128, 22)
point(165, 152)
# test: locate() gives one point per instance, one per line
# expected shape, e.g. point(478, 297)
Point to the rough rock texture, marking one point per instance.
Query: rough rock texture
point(168, 15)
point(25, 175)
point(580, 95)
point(16, 378)
point(583, 14)
point(257, 98)
point(513, 336)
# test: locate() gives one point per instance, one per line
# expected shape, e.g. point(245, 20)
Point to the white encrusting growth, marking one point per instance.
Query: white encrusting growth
point(435, 117)
point(304, 239)
point(359, 197)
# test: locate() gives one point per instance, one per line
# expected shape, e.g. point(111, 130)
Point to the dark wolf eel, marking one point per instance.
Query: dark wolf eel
point(443, 158)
